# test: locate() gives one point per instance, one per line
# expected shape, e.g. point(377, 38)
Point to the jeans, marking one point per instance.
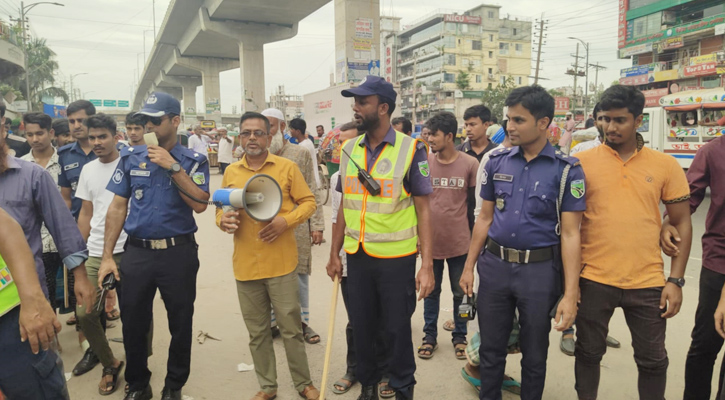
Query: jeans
point(431, 304)
point(28, 376)
point(223, 167)
point(642, 312)
point(706, 343)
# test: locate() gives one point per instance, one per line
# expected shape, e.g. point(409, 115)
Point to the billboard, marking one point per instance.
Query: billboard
point(561, 105)
point(622, 23)
point(462, 19)
point(54, 111)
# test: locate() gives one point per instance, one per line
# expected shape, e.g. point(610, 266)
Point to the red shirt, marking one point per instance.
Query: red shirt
point(708, 169)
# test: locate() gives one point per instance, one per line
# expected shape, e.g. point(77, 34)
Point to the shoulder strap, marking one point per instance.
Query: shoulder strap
point(562, 189)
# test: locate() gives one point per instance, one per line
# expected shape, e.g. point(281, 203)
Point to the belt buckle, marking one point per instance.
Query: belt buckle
point(513, 255)
point(158, 244)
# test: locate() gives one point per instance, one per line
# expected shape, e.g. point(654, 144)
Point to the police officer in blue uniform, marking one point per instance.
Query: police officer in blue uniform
point(520, 245)
point(166, 184)
point(72, 157)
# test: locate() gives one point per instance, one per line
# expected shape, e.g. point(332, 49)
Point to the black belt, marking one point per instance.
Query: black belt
point(520, 256)
point(161, 244)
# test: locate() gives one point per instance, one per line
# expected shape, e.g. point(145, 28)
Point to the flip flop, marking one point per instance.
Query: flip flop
point(449, 325)
point(384, 386)
point(113, 385)
point(310, 335)
point(511, 385)
point(113, 315)
point(476, 383)
point(71, 321)
point(347, 377)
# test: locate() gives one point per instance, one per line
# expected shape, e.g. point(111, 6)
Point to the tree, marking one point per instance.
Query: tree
point(462, 80)
point(42, 67)
point(495, 98)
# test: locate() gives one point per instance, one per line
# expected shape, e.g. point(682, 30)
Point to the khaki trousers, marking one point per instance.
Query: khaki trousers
point(256, 299)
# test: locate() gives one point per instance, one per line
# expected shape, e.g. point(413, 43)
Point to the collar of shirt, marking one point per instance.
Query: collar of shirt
point(270, 159)
point(177, 151)
point(13, 163)
point(53, 159)
point(547, 151)
point(640, 144)
point(389, 138)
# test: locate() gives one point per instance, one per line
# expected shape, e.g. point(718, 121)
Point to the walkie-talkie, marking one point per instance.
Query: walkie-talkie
point(365, 178)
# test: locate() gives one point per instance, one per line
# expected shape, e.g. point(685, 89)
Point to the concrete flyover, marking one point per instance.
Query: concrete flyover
point(201, 38)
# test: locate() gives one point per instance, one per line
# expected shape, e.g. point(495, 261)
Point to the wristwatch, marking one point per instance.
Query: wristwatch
point(677, 281)
point(175, 167)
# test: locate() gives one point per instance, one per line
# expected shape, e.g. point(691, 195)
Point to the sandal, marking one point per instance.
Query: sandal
point(71, 321)
point(110, 386)
point(310, 393)
point(341, 387)
point(264, 396)
point(113, 315)
point(511, 385)
point(476, 383)
point(429, 345)
point(460, 349)
point(449, 325)
point(310, 335)
point(384, 389)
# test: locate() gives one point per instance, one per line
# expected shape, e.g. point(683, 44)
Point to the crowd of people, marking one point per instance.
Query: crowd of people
point(528, 233)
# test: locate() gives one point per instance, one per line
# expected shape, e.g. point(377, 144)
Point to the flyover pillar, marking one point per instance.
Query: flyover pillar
point(251, 62)
point(188, 85)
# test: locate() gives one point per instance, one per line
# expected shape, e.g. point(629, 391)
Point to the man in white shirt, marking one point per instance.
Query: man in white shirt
point(226, 146)
point(198, 141)
point(92, 221)
point(297, 129)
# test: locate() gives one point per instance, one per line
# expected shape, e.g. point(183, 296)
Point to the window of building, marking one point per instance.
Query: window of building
point(476, 45)
point(450, 59)
point(515, 31)
point(714, 10)
point(503, 49)
point(478, 79)
point(464, 28)
point(450, 27)
point(491, 15)
point(710, 82)
point(490, 37)
point(502, 80)
point(519, 80)
point(449, 78)
point(519, 49)
point(449, 42)
point(490, 70)
point(490, 54)
point(490, 86)
point(475, 63)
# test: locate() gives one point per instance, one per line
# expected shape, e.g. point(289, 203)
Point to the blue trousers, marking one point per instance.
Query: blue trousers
point(432, 303)
point(531, 288)
point(24, 375)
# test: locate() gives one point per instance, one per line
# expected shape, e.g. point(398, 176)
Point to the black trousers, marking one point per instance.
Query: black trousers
point(706, 343)
point(173, 272)
point(381, 353)
point(382, 296)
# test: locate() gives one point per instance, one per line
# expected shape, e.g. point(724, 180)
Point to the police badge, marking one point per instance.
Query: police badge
point(138, 194)
point(500, 203)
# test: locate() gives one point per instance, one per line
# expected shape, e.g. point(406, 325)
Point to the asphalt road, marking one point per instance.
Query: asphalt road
point(214, 372)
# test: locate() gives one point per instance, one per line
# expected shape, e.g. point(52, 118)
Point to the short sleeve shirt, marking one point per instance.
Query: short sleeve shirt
point(72, 159)
point(526, 193)
point(621, 228)
point(157, 210)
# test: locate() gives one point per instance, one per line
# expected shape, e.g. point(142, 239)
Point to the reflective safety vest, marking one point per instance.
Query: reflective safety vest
point(386, 225)
point(9, 297)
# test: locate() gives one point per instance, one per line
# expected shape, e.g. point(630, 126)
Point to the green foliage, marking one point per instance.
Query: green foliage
point(495, 98)
point(463, 80)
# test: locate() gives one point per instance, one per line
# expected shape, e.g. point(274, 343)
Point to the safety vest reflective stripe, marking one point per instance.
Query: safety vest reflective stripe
point(9, 297)
point(384, 237)
point(381, 208)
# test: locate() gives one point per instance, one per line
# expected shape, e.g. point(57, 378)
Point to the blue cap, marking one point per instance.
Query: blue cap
point(159, 104)
point(372, 85)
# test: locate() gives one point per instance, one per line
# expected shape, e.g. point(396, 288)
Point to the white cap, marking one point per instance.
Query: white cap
point(274, 113)
point(222, 128)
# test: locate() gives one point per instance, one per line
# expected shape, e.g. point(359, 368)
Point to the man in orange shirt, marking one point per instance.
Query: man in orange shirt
point(621, 260)
point(265, 257)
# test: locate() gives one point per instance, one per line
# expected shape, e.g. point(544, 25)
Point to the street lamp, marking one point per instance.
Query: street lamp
point(586, 78)
point(23, 12)
point(72, 93)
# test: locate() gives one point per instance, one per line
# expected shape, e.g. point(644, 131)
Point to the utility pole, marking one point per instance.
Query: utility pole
point(575, 71)
point(415, 75)
point(538, 53)
point(153, 8)
point(597, 67)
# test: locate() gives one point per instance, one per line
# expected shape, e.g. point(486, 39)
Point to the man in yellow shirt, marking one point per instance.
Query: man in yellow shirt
point(265, 257)
point(621, 259)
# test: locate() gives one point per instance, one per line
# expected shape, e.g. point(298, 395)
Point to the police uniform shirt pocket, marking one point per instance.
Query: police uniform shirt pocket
point(541, 201)
point(140, 183)
point(503, 189)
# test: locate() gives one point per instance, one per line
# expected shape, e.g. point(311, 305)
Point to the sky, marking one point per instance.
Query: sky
point(103, 41)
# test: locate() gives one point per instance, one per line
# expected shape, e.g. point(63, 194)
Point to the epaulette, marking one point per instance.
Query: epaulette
point(128, 150)
point(498, 152)
point(65, 148)
point(568, 159)
point(198, 157)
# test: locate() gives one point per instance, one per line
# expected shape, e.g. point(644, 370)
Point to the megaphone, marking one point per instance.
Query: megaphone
point(261, 197)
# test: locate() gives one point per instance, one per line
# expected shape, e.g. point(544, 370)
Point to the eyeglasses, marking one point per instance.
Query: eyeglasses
point(157, 120)
point(74, 121)
point(246, 134)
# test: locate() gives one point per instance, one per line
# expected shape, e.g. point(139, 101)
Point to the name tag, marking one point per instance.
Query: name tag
point(138, 172)
point(503, 177)
point(70, 166)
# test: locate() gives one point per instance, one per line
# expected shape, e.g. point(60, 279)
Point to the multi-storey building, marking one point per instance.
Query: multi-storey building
point(292, 106)
point(675, 45)
point(445, 61)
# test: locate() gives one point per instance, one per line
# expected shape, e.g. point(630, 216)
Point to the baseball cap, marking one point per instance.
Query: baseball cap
point(372, 85)
point(159, 104)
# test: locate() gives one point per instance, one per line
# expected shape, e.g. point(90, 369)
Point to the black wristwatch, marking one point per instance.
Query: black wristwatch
point(677, 281)
point(175, 167)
